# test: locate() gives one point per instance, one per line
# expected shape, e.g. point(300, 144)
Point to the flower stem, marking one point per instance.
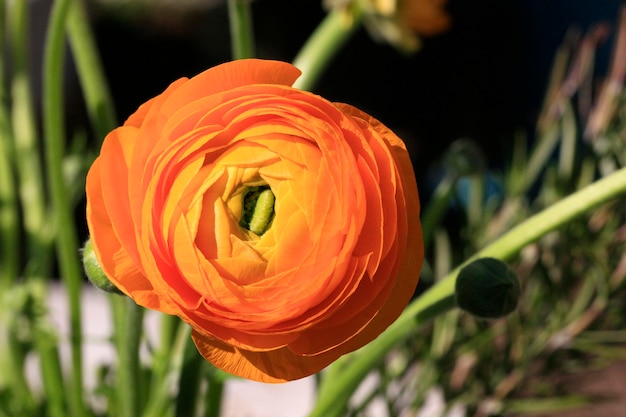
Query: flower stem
point(128, 319)
point(324, 44)
point(214, 394)
point(241, 33)
point(9, 209)
point(26, 146)
point(51, 372)
point(189, 382)
point(91, 74)
point(66, 237)
point(160, 399)
point(440, 297)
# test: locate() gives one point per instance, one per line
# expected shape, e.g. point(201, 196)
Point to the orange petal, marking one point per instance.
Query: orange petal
point(275, 366)
point(113, 257)
point(137, 118)
point(231, 75)
point(409, 230)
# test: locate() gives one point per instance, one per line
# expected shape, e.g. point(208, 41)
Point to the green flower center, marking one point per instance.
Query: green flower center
point(257, 209)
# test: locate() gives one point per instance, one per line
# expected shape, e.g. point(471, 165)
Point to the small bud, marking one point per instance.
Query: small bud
point(487, 288)
point(94, 271)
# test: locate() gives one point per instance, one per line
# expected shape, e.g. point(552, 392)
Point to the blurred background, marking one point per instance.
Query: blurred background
point(483, 80)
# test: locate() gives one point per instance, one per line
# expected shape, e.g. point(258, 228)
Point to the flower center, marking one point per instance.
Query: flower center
point(258, 209)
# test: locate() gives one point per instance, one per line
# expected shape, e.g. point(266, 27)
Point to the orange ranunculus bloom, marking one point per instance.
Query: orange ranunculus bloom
point(333, 263)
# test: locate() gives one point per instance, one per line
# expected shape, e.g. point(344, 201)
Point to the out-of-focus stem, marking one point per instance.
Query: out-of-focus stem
point(241, 31)
point(38, 231)
point(90, 71)
point(325, 42)
point(128, 319)
point(66, 236)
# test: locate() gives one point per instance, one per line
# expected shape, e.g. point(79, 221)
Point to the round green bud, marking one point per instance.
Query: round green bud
point(94, 271)
point(487, 288)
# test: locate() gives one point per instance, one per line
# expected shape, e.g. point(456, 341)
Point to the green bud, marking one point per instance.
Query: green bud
point(258, 209)
point(94, 271)
point(487, 288)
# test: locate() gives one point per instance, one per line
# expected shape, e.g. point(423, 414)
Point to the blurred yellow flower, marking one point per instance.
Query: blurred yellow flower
point(399, 22)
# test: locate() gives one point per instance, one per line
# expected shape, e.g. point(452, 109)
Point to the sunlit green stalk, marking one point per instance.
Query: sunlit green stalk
point(90, 71)
point(27, 146)
point(241, 30)
point(128, 319)
point(440, 297)
point(325, 42)
point(66, 237)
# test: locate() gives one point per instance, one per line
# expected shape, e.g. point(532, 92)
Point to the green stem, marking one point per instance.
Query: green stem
point(541, 154)
point(66, 237)
point(26, 146)
point(324, 44)
point(161, 399)
point(13, 359)
point(214, 395)
point(162, 359)
point(437, 207)
point(9, 214)
point(51, 373)
point(90, 71)
point(241, 33)
point(128, 319)
point(440, 297)
point(191, 372)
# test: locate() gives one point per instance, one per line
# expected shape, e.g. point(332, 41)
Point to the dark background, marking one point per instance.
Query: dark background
point(483, 79)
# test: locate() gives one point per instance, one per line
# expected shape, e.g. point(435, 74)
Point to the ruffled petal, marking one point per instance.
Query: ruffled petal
point(275, 366)
point(229, 76)
point(113, 257)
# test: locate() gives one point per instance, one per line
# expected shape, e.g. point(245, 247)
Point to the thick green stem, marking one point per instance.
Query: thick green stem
point(324, 44)
point(241, 32)
point(90, 71)
point(66, 236)
point(128, 322)
point(440, 297)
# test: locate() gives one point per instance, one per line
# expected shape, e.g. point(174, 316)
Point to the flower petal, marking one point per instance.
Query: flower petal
point(275, 366)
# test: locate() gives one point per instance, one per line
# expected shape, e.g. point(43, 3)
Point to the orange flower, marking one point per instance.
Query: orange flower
point(335, 250)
